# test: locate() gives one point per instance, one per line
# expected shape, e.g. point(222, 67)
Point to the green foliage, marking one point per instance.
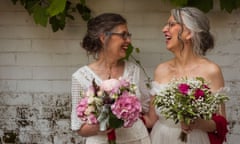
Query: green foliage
point(229, 5)
point(207, 5)
point(114, 122)
point(54, 12)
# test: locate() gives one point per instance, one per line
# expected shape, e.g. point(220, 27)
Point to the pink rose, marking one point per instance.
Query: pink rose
point(111, 85)
point(183, 88)
point(81, 108)
point(92, 119)
point(124, 83)
point(198, 93)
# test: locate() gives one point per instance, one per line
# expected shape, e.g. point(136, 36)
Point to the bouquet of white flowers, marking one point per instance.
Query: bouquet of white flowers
point(185, 99)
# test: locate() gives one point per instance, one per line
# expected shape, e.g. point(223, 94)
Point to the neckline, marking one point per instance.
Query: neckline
point(100, 79)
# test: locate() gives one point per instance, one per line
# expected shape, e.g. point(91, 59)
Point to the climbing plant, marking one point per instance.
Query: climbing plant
point(56, 12)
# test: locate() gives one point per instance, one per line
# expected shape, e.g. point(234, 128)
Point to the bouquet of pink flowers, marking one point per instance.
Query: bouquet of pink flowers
point(185, 100)
point(113, 104)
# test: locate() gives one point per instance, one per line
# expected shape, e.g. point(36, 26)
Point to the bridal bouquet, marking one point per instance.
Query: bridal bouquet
point(113, 104)
point(185, 100)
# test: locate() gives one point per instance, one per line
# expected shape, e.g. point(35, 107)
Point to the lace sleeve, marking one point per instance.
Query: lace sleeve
point(76, 90)
point(81, 80)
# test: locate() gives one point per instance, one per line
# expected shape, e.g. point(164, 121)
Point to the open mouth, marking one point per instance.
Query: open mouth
point(168, 37)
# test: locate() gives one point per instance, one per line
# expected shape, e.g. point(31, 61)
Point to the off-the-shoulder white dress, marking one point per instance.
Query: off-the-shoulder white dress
point(81, 80)
point(165, 131)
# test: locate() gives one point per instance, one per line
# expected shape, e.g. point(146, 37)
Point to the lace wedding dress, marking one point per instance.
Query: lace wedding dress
point(81, 80)
point(165, 131)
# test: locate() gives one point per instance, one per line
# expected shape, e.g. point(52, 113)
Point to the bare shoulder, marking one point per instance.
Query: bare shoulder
point(162, 71)
point(211, 68)
point(213, 72)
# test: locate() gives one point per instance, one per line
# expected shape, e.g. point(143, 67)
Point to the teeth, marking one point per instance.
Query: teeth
point(168, 37)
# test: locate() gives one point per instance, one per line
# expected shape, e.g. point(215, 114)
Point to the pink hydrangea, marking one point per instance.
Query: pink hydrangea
point(127, 107)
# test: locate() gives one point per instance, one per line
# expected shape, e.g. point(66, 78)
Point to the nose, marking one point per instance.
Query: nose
point(165, 28)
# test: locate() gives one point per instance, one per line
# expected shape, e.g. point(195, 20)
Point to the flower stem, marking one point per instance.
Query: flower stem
point(183, 137)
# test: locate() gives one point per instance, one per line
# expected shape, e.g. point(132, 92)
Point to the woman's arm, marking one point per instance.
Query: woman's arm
point(150, 117)
point(76, 124)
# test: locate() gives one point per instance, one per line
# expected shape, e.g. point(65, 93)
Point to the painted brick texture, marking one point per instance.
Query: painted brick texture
point(36, 65)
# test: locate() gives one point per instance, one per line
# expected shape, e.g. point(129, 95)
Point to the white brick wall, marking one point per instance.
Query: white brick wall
point(36, 64)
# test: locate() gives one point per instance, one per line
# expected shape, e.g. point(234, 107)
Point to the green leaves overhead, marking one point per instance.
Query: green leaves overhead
point(56, 7)
point(207, 5)
point(40, 15)
point(178, 2)
point(54, 12)
point(204, 5)
point(229, 5)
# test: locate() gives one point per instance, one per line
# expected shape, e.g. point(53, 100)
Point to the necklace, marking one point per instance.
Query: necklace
point(110, 73)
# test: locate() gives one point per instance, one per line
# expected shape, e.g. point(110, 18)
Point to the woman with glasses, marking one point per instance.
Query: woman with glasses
point(188, 37)
point(107, 39)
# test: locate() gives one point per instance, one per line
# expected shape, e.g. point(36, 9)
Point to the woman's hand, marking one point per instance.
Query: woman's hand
point(105, 132)
point(205, 125)
point(185, 127)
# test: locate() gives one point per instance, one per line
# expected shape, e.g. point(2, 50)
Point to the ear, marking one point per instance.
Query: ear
point(189, 35)
point(102, 37)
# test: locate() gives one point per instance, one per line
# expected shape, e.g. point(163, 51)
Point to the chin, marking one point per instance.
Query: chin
point(122, 54)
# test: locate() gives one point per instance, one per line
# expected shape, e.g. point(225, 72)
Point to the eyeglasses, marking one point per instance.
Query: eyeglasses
point(171, 24)
point(123, 35)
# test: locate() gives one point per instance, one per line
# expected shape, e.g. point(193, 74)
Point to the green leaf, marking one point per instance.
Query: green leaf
point(137, 50)
point(56, 7)
point(57, 22)
point(84, 11)
point(114, 122)
point(40, 16)
point(229, 5)
point(129, 51)
point(204, 5)
point(179, 2)
point(30, 5)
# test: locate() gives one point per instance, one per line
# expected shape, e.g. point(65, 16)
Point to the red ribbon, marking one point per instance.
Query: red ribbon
point(219, 136)
point(111, 137)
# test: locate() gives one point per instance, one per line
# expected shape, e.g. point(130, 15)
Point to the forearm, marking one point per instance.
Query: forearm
point(208, 126)
point(205, 125)
point(149, 122)
point(87, 130)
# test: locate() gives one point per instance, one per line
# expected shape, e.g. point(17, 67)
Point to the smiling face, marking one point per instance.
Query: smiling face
point(117, 42)
point(176, 34)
